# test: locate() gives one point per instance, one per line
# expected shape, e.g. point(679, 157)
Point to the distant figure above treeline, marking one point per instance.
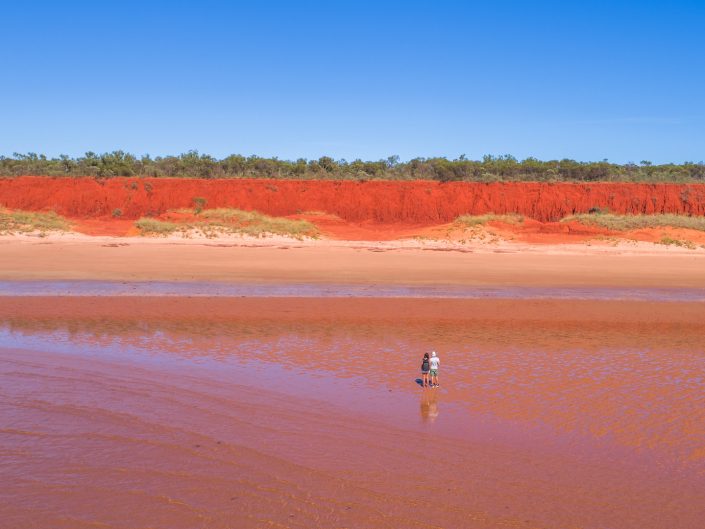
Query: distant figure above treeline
point(489, 169)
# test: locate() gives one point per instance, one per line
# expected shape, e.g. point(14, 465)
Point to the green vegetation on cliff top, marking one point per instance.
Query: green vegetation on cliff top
point(489, 169)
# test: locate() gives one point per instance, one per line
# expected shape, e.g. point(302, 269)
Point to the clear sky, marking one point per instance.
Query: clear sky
point(586, 80)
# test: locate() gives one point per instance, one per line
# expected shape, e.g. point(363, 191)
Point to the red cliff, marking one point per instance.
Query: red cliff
point(417, 202)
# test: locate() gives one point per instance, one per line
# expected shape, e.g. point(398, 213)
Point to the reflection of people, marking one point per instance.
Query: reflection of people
point(425, 368)
point(429, 406)
point(435, 363)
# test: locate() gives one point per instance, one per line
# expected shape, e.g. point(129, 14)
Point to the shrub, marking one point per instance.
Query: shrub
point(635, 222)
point(31, 221)
point(677, 242)
point(223, 221)
point(598, 210)
point(199, 203)
point(476, 220)
point(156, 227)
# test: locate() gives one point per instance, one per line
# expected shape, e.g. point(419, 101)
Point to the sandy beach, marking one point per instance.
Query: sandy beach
point(73, 256)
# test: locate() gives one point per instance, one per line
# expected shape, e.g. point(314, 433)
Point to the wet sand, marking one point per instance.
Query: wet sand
point(139, 411)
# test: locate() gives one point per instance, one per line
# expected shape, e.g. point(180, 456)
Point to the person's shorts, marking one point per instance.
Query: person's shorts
point(424, 372)
point(434, 372)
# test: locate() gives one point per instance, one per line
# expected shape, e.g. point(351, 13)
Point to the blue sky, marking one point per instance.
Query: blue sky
point(618, 80)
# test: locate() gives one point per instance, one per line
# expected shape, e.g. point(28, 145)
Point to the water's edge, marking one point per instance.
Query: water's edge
point(340, 290)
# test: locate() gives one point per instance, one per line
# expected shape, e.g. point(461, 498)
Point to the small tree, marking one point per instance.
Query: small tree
point(199, 203)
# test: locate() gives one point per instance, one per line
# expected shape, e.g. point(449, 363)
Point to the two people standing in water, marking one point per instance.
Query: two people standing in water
point(429, 399)
point(429, 369)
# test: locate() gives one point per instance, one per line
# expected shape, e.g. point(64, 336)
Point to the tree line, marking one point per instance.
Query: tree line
point(488, 169)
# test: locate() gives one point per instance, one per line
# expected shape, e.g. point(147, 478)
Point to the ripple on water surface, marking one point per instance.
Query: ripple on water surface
point(597, 418)
point(322, 290)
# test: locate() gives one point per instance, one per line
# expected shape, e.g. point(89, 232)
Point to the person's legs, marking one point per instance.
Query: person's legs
point(424, 379)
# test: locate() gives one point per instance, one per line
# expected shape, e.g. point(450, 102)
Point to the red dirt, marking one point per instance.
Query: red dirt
point(423, 203)
point(112, 227)
point(535, 232)
point(334, 227)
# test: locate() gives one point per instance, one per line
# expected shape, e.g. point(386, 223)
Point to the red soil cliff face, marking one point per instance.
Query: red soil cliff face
point(415, 202)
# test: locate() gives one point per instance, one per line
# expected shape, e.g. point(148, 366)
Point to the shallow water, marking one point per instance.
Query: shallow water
point(326, 290)
point(320, 422)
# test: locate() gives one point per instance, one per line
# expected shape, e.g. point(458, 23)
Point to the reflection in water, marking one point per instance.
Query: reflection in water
point(429, 404)
point(627, 378)
point(91, 443)
point(151, 406)
point(635, 384)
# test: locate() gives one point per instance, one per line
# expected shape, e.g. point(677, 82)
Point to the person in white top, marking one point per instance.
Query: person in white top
point(435, 363)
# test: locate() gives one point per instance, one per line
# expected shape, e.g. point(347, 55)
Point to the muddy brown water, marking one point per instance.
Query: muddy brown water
point(176, 412)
